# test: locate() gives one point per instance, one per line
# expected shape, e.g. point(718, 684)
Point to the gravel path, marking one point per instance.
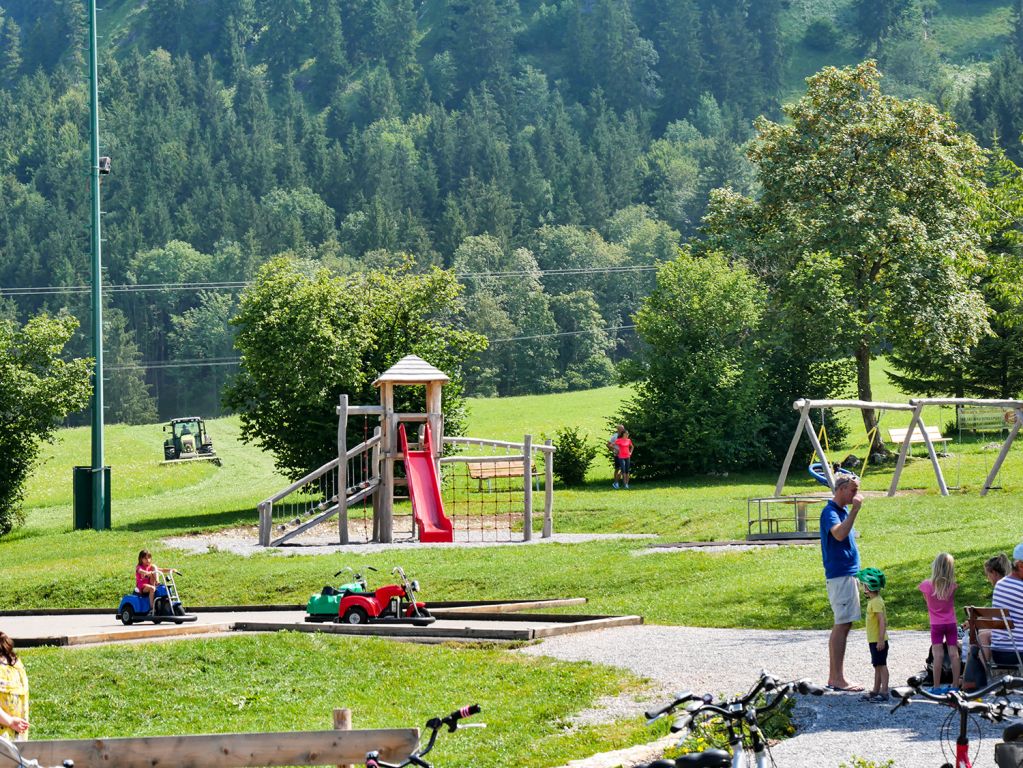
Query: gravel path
point(832, 728)
point(245, 543)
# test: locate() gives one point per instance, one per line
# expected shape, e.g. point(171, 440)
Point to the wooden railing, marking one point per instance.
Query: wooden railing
point(315, 498)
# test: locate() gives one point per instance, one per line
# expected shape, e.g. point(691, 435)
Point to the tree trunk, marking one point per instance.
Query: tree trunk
point(864, 392)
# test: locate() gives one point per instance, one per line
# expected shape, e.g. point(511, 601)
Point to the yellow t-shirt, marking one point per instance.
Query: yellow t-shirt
point(13, 695)
point(875, 610)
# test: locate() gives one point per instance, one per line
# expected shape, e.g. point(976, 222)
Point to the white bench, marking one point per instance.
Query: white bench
point(897, 435)
point(490, 470)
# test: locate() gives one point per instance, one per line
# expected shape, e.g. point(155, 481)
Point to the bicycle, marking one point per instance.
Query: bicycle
point(434, 724)
point(741, 716)
point(964, 704)
point(11, 755)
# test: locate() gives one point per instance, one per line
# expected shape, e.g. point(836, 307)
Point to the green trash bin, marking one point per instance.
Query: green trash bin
point(82, 489)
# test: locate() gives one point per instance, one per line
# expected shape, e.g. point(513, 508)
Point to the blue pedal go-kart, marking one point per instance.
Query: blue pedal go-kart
point(168, 607)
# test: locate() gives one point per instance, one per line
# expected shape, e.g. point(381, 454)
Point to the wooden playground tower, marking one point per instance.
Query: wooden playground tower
point(367, 470)
point(409, 371)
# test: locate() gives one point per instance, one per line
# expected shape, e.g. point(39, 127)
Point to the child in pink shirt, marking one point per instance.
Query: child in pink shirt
point(939, 593)
point(623, 459)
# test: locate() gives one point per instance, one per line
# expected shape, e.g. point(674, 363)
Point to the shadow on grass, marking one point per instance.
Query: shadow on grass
point(192, 523)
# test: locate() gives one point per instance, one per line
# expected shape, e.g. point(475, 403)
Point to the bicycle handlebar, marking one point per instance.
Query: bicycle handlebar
point(653, 715)
point(434, 724)
point(961, 700)
point(737, 708)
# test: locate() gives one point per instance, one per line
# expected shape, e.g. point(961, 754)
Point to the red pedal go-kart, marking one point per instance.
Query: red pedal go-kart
point(393, 604)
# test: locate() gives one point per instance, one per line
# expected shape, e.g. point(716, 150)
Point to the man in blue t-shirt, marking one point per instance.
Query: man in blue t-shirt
point(841, 564)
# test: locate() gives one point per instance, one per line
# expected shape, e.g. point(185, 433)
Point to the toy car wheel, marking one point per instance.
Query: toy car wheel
point(127, 615)
point(179, 610)
point(355, 615)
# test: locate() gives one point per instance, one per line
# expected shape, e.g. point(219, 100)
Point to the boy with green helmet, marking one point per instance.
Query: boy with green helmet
point(873, 581)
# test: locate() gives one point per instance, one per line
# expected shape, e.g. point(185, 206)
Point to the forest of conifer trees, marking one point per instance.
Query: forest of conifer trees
point(551, 154)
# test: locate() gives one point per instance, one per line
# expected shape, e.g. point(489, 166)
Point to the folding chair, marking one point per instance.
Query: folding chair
point(994, 619)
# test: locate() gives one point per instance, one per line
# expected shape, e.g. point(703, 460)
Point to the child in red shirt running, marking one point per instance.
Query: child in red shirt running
point(623, 461)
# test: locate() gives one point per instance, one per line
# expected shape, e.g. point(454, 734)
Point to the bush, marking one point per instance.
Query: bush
point(698, 408)
point(574, 455)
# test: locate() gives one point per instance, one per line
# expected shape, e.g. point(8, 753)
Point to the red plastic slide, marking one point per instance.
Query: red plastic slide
point(424, 490)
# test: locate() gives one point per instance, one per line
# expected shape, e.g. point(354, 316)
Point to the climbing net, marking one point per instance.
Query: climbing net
point(483, 488)
point(361, 478)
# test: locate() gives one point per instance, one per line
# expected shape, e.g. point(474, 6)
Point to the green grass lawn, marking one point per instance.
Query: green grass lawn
point(968, 34)
point(292, 681)
point(152, 502)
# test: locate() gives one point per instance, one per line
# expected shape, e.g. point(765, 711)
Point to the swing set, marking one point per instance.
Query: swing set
point(823, 470)
point(1014, 422)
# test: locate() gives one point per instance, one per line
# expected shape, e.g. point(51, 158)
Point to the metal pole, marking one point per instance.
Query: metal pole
point(98, 489)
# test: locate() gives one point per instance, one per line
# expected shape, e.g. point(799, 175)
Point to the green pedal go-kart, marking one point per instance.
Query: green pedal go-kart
point(324, 605)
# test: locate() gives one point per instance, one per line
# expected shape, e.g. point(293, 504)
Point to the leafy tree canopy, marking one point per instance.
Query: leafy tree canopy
point(885, 195)
point(38, 389)
point(308, 336)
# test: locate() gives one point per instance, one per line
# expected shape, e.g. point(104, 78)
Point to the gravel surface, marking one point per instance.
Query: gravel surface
point(243, 542)
point(832, 729)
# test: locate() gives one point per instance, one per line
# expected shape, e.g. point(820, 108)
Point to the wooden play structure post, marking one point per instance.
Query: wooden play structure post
point(342, 470)
point(409, 371)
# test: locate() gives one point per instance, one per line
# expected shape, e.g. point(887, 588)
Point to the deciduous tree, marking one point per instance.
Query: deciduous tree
point(38, 389)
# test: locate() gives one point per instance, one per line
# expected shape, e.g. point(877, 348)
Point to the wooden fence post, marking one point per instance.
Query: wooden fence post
point(343, 722)
point(527, 490)
point(548, 490)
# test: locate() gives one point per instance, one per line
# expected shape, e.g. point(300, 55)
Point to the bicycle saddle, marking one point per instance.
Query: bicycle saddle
point(711, 758)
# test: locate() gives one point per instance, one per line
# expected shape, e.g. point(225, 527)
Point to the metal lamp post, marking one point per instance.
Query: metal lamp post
point(99, 490)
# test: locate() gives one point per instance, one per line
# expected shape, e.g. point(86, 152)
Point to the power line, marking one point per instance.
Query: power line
point(564, 333)
point(234, 285)
point(198, 362)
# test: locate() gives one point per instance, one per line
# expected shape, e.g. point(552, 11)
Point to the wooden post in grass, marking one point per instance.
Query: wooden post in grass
point(343, 722)
point(527, 488)
point(548, 490)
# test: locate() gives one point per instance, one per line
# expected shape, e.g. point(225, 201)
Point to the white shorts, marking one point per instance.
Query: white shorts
point(844, 595)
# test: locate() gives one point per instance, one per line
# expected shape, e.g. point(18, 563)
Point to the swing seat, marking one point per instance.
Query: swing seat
point(816, 471)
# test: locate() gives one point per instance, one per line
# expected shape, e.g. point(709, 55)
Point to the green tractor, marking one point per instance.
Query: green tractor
point(188, 440)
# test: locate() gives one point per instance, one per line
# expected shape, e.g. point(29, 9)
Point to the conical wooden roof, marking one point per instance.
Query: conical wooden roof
point(411, 370)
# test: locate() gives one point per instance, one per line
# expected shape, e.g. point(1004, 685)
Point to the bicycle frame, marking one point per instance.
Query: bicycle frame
point(965, 705)
point(738, 713)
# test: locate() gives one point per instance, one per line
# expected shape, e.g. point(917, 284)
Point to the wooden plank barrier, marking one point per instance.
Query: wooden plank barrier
point(227, 750)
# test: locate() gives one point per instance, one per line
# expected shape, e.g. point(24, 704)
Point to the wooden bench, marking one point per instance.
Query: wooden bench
point(898, 435)
point(981, 619)
point(489, 470)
